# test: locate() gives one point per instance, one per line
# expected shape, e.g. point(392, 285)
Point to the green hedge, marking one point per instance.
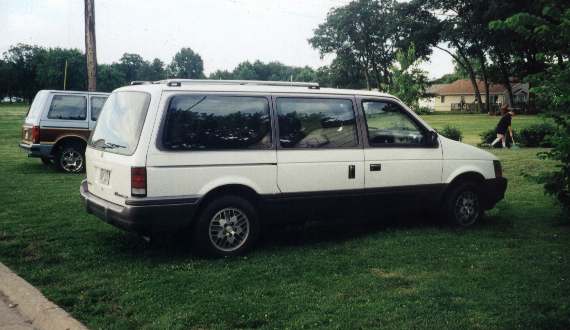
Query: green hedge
point(537, 135)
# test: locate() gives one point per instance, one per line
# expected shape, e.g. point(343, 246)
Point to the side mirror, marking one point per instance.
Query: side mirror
point(432, 139)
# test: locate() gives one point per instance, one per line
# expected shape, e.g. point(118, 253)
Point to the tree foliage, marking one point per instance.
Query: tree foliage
point(409, 82)
point(187, 64)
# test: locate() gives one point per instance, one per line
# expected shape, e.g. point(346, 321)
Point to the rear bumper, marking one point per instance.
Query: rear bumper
point(145, 216)
point(494, 191)
point(36, 150)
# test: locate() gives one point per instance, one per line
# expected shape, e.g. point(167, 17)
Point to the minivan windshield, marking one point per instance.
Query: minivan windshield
point(120, 122)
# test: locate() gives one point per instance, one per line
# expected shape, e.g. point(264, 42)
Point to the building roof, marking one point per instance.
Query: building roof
point(464, 87)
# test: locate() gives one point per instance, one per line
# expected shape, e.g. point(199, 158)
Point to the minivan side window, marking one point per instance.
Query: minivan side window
point(202, 122)
point(316, 123)
point(97, 103)
point(388, 124)
point(68, 107)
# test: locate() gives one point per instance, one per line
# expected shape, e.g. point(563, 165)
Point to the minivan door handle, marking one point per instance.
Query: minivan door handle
point(375, 167)
point(351, 171)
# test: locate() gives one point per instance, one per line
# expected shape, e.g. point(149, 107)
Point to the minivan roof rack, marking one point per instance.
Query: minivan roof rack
point(140, 82)
point(179, 82)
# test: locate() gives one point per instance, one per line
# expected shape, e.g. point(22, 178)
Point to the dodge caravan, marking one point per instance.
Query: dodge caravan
point(223, 158)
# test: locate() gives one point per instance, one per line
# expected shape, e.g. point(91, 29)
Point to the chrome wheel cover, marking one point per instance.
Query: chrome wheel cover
point(467, 208)
point(229, 229)
point(71, 160)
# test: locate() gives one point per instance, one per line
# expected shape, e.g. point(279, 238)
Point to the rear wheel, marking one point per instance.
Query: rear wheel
point(70, 159)
point(228, 226)
point(462, 206)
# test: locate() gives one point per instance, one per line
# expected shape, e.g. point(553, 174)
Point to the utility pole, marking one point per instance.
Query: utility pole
point(90, 47)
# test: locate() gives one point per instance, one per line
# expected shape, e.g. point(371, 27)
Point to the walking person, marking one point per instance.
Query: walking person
point(503, 126)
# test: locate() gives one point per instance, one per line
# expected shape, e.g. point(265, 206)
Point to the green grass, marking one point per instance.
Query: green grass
point(512, 270)
point(471, 125)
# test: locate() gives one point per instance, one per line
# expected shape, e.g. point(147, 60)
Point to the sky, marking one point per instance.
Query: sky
point(223, 32)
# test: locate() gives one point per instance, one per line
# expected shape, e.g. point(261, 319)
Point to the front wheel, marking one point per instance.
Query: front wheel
point(70, 159)
point(228, 226)
point(463, 205)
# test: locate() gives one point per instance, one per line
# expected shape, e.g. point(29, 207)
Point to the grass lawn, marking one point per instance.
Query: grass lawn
point(512, 270)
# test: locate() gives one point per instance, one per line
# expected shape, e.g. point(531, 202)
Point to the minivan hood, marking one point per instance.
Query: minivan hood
point(456, 150)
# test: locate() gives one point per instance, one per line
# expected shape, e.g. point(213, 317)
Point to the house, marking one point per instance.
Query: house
point(460, 95)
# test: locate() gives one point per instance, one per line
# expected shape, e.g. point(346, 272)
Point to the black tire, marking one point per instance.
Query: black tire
point(46, 161)
point(238, 211)
point(463, 206)
point(70, 158)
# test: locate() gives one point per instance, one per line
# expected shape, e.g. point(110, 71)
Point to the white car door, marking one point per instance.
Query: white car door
point(398, 156)
point(319, 151)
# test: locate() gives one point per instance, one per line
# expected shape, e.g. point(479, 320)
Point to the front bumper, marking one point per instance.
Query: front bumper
point(494, 191)
point(36, 150)
point(146, 217)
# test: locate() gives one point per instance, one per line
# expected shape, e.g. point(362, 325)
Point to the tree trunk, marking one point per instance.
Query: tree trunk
point(472, 76)
point(506, 81)
point(485, 81)
point(90, 46)
point(464, 62)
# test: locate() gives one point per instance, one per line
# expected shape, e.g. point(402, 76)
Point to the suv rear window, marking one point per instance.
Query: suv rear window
point(120, 122)
point(199, 122)
point(68, 107)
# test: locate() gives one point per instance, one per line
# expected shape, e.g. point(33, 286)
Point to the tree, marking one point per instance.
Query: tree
point(50, 71)
point(156, 70)
point(409, 81)
point(110, 77)
point(187, 64)
point(550, 27)
point(366, 32)
point(22, 61)
point(133, 67)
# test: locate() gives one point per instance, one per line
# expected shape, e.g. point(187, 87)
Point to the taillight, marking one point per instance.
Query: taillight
point(138, 181)
point(498, 169)
point(36, 134)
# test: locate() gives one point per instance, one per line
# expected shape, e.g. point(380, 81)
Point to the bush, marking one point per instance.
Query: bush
point(452, 132)
point(537, 135)
point(489, 136)
point(423, 111)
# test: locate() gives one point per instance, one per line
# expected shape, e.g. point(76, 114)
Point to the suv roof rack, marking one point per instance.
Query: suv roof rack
point(140, 82)
point(179, 82)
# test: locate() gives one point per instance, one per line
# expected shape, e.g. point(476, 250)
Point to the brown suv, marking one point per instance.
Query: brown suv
point(58, 125)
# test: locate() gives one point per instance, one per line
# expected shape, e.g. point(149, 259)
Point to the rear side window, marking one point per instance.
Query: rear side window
point(316, 123)
point(200, 122)
point(96, 106)
point(68, 107)
point(121, 121)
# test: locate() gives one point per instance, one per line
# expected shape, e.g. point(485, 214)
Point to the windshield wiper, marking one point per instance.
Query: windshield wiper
point(110, 145)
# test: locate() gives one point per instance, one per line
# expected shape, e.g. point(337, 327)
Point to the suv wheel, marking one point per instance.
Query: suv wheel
point(70, 159)
point(228, 226)
point(463, 205)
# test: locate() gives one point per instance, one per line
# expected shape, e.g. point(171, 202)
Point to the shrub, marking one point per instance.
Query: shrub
point(452, 132)
point(537, 135)
point(489, 136)
point(423, 111)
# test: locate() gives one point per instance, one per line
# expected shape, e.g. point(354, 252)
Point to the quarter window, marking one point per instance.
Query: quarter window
point(316, 123)
point(68, 107)
point(388, 124)
point(198, 122)
point(97, 103)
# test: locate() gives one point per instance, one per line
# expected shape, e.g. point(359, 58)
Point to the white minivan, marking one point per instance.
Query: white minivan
point(223, 158)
